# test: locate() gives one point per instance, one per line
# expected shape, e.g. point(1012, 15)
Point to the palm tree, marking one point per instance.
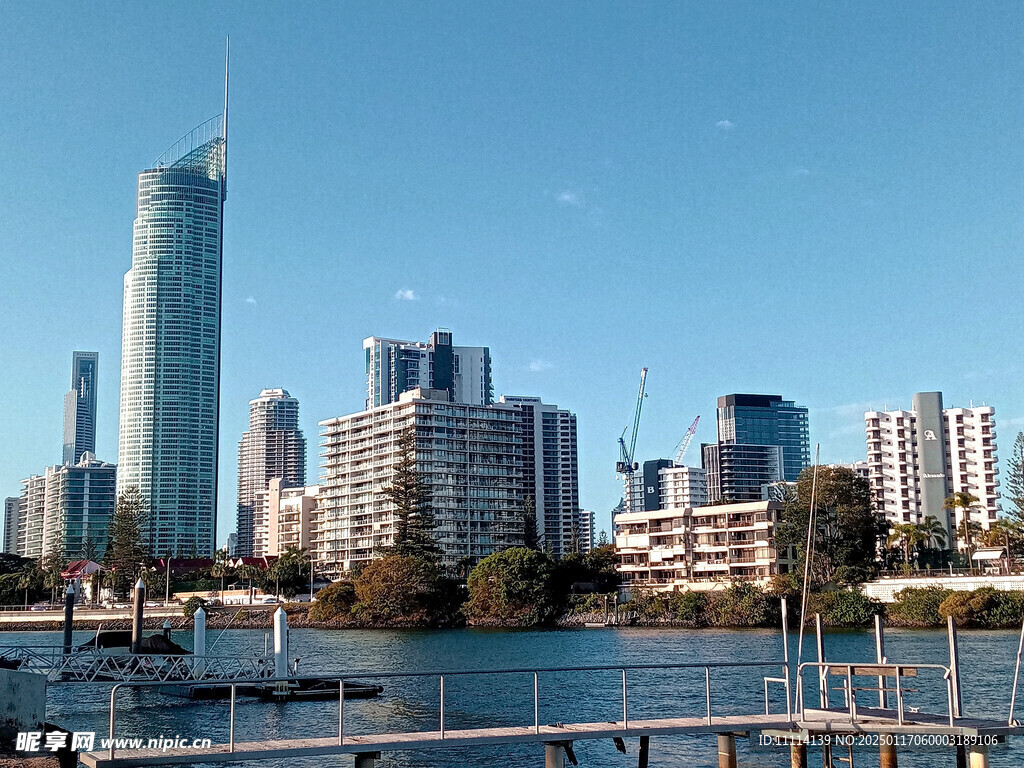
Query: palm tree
point(909, 534)
point(965, 501)
point(220, 568)
point(249, 573)
point(933, 533)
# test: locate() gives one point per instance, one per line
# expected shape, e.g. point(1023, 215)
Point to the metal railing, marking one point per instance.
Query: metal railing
point(97, 666)
point(878, 672)
point(535, 675)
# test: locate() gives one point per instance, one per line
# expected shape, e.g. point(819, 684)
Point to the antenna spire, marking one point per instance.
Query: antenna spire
point(224, 121)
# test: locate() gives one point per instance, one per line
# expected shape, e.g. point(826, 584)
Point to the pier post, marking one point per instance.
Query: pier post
point(645, 752)
point(954, 665)
point(797, 756)
point(978, 756)
point(826, 749)
point(887, 756)
point(554, 756)
point(167, 629)
point(366, 759)
point(140, 602)
point(69, 618)
point(726, 750)
point(880, 658)
point(281, 648)
point(199, 642)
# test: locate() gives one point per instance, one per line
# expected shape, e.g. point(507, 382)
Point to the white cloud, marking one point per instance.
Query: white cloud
point(251, 300)
point(406, 294)
point(725, 125)
point(537, 365)
point(800, 172)
point(571, 197)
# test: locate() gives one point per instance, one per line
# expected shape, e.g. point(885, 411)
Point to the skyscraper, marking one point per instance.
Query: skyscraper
point(12, 512)
point(273, 448)
point(170, 345)
point(80, 408)
point(79, 503)
point(394, 366)
point(762, 439)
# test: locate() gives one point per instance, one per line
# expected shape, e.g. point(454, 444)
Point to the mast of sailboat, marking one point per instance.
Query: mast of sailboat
point(808, 555)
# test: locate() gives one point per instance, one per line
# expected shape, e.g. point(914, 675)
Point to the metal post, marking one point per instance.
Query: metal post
point(341, 712)
point(726, 750)
point(69, 618)
point(140, 602)
point(536, 704)
point(281, 649)
point(707, 691)
point(231, 722)
point(625, 712)
point(167, 582)
point(113, 691)
point(978, 756)
point(784, 608)
point(442, 706)
point(1016, 675)
point(822, 671)
point(167, 629)
point(645, 752)
point(880, 658)
point(954, 664)
point(899, 698)
point(554, 756)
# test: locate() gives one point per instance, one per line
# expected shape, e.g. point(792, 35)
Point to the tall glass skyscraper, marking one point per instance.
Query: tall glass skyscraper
point(170, 345)
point(767, 420)
point(80, 408)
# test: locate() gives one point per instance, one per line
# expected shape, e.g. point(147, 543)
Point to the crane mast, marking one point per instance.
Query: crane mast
point(625, 466)
point(684, 444)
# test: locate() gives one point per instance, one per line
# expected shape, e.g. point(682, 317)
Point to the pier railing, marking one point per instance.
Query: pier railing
point(879, 672)
point(91, 665)
point(441, 676)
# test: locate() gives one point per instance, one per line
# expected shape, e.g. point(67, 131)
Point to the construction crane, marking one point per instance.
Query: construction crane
point(684, 444)
point(625, 466)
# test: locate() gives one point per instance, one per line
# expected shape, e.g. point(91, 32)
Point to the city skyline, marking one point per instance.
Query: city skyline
point(805, 195)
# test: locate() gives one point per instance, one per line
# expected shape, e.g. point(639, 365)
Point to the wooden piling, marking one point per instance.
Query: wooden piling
point(887, 756)
point(366, 759)
point(978, 756)
point(797, 756)
point(645, 752)
point(554, 756)
point(727, 751)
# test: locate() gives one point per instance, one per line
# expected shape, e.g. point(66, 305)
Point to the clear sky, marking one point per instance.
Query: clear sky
point(791, 198)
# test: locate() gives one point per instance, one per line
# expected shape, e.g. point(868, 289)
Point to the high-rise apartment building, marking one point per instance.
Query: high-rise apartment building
point(919, 458)
point(273, 447)
point(762, 439)
point(394, 366)
point(470, 457)
point(550, 471)
point(12, 511)
point(32, 517)
point(283, 518)
point(170, 346)
point(663, 484)
point(80, 408)
point(80, 501)
point(586, 530)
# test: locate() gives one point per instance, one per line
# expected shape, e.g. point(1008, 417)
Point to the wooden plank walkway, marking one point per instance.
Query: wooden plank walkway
point(812, 722)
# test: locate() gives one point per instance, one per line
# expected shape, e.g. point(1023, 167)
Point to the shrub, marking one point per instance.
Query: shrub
point(512, 588)
point(742, 605)
point(689, 608)
point(917, 607)
point(843, 608)
point(403, 590)
point(333, 602)
point(1008, 610)
point(647, 606)
point(192, 605)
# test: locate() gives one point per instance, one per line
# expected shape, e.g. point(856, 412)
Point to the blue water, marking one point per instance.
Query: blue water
point(412, 704)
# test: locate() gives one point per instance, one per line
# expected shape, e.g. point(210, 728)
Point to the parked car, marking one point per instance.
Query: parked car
point(39, 608)
point(269, 600)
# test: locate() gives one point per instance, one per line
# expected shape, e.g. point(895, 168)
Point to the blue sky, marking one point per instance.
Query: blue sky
point(791, 198)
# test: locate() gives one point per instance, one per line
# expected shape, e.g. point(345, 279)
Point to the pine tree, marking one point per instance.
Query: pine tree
point(1015, 478)
point(410, 495)
point(126, 549)
point(530, 538)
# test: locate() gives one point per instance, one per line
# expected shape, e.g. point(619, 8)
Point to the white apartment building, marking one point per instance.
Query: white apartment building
point(661, 484)
point(31, 522)
point(469, 455)
point(550, 471)
point(586, 530)
point(697, 548)
point(283, 518)
point(918, 458)
point(394, 366)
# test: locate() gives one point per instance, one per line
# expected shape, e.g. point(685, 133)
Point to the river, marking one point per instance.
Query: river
point(409, 704)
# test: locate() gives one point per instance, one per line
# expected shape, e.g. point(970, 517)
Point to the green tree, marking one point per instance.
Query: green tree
point(126, 550)
point(965, 501)
point(847, 530)
point(403, 590)
point(51, 565)
point(512, 588)
point(290, 572)
point(220, 568)
point(1015, 478)
point(410, 496)
point(932, 533)
point(334, 602)
point(907, 536)
point(249, 574)
point(602, 539)
point(530, 538)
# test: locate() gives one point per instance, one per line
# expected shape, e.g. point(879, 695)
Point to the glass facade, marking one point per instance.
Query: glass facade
point(170, 347)
point(80, 408)
point(767, 420)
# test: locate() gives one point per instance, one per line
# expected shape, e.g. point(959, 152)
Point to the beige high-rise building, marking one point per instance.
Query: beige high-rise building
point(283, 518)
